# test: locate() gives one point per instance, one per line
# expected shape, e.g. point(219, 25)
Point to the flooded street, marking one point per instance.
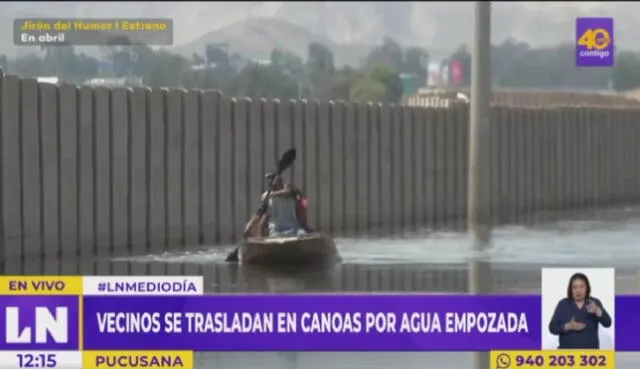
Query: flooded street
point(434, 262)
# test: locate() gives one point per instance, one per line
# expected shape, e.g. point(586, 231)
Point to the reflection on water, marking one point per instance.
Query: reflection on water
point(604, 240)
point(422, 262)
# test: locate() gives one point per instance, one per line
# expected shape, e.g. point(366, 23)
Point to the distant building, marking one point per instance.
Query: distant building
point(262, 62)
point(411, 83)
point(115, 82)
point(436, 98)
point(51, 80)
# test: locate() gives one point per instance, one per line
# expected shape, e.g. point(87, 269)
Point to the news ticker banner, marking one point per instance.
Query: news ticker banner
point(96, 359)
point(43, 319)
point(552, 359)
point(92, 31)
point(171, 313)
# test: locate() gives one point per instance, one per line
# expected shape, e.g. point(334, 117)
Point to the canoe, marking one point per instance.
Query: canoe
point(309, 249)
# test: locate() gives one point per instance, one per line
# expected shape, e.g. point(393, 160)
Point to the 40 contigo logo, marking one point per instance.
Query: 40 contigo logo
point(594, 42)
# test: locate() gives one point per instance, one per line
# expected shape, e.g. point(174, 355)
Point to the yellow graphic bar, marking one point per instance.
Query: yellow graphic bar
point(41, 285)
point(137, 359)
point(553, 359)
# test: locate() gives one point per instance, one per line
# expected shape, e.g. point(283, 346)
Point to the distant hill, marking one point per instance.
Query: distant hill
point(257, 37)
point(439, 27)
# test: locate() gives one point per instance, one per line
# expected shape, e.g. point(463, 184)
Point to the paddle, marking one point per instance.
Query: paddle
point(285, 162)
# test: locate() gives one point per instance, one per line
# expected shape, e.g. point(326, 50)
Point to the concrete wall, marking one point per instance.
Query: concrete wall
point(90, 170)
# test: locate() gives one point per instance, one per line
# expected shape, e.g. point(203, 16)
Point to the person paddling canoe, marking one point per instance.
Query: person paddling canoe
point(282, 211)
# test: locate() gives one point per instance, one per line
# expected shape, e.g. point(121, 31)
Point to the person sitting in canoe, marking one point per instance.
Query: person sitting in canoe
point(282, 211)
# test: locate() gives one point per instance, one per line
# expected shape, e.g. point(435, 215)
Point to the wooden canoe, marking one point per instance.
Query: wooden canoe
point(308, 249)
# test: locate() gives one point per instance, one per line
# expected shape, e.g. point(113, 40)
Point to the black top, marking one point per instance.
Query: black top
point(586, 338)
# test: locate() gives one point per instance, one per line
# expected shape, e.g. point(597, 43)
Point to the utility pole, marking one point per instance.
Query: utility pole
point(479, 169)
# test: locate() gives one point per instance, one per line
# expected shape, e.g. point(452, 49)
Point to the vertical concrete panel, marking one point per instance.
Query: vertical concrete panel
point(609, 144)
point(461, 138)
point(440, 174)
point(567, 167)
point(102, 111)
point(271, 153)
point(619, 156)
point(508, 199)
point(256, 171)
point(549, 163)
point(350, 158)
point(614, 145)
point(534, 139)
point(139, 169)
point(579, 128)
point(406, 167)
point(496, 157)
point(376, 189)
point(535, 151)
point(450, 167)
point(591, 158)
point(226, 160)
point(557, 117)
point(120, 193)
point(627, 155)
point(516, 118)
point(325, 156)
point(69, 115)
point(192, 168)
point(634, 137)
point(29, 145)
point(241, 164)
point(11, 172)
point(386, 171)
point(576, 128)
point(175, 168)
point(50, 125)
point(582, 129)
point(86, 177)
point(610, 169)
point(310, 168)
point(599, 128)
point(567, 152)
point(524, 164)
point(430, 165)
point(624, 154)
point(270, 149)
point(396, 169)
point(158, 170)
point(451, 164)
point(297, 173)
point(418, 159)
point(551, 134)
point(573, 163)
point(210, 145)
point(528, 164)
point(285, 137)
point(363, 179)
point(539, 146)
point(615, 155)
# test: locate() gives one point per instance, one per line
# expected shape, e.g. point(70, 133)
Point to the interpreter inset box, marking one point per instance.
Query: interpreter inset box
point(578, 308)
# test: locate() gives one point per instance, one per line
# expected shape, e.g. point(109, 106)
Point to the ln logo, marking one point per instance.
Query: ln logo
point(43, 323)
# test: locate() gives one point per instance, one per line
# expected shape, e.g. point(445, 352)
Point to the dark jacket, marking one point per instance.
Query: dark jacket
point(586, 338)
